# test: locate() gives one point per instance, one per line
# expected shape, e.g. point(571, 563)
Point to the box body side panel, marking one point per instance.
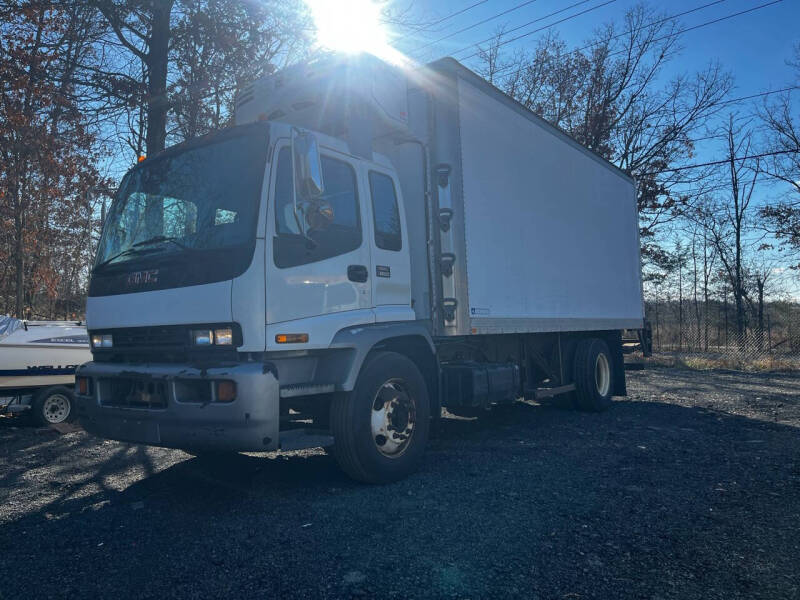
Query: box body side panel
point(551, 233)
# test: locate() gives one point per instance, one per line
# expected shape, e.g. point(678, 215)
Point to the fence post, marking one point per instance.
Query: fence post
point(769, 336)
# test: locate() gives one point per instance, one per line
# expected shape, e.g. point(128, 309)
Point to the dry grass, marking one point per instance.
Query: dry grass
point(763, 364)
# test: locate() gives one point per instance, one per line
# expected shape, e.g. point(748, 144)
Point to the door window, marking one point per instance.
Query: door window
point(385, 212)
point(338, 235)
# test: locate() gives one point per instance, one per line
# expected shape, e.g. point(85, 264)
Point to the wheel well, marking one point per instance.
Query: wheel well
point(569, 341)
point(417, 349)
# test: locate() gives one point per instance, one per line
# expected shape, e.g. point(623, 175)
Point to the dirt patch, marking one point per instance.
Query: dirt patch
point(689, 488)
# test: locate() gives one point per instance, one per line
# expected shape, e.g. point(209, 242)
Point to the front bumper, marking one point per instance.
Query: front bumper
point(248, 423)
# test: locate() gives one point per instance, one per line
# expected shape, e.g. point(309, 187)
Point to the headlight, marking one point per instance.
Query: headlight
point(223, 337)
point(202, 337)
point(103, 340)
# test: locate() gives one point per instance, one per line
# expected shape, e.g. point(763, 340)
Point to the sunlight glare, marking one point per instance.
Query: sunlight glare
point(350, 26)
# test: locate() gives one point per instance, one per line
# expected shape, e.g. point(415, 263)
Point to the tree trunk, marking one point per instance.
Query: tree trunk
point(760, 284)
point(680, 306)
point(19, 265)
point(157, 57)
point(705, 289)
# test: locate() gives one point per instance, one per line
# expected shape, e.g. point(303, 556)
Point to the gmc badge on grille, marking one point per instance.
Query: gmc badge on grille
point(138, 278)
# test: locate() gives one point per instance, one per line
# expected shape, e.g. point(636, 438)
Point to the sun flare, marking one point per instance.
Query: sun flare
point(351, 27)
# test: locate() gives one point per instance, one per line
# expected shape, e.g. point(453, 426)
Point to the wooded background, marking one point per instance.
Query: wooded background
point(90, 85)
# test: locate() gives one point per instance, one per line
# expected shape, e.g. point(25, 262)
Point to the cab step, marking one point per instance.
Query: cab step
point(306, 389)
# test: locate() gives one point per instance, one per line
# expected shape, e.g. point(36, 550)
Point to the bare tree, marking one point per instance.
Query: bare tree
point(782, 121)
point(728, 215)
point(184, 59)
point(46, 151)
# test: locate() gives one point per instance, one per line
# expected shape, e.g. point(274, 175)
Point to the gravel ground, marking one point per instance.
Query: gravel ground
point(689, 488)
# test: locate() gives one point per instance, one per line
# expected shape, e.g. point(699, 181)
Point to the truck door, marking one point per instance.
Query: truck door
point(391, 285)
point(327, 271)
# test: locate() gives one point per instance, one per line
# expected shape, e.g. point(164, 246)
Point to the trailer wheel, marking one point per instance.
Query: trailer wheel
point(593, 375)
point(52, 405)
point(380, 429)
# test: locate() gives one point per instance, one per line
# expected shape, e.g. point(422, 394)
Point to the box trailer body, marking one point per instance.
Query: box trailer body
point(543, 234)
point(413, 239)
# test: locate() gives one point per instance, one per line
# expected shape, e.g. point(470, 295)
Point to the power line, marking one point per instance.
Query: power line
point(720, 162)
point(442, 20)
point(657, 22)
point(651, 24)
point(519, 37)
point(740, 99)
point(759, 95)
point(712, 22)
point(474, 25)
point(518, 27)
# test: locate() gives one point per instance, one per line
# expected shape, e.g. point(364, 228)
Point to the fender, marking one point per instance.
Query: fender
point(361, 339)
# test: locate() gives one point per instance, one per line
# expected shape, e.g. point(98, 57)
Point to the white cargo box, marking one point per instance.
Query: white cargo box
point(325, 94)
point(535, 233)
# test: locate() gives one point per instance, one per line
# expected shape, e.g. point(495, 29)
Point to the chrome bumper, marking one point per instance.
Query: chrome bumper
point(248, 423)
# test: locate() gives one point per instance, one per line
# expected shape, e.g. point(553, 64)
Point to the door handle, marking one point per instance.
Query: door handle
point(357, 273)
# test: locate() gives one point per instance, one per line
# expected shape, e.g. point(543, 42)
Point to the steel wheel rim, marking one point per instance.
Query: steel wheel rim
point(394, 417)
point(602, 375)
point(56, 408)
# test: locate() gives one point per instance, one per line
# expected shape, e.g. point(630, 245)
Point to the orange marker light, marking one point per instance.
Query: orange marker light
point(226, 391)
point(141, 158)
point(83, 385)
point(291, 338)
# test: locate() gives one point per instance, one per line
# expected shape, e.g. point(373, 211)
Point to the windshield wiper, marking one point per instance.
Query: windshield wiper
point(138, 249)
point(126, 252)
point(162, 238)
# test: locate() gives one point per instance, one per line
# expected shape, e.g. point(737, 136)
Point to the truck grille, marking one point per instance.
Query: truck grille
point(164, 343)
point(133, 393)
point(164, 337)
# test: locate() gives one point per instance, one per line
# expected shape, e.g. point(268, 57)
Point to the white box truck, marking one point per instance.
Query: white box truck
point(367, 245)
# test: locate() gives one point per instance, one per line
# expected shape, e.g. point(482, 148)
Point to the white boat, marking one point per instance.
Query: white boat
point(37, 365)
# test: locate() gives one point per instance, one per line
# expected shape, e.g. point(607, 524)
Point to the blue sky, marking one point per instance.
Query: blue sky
point(753, 47)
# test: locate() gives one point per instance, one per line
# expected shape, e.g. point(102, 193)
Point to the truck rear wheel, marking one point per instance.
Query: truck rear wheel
point(52, 405)
point(381, 428)
point(593, 369)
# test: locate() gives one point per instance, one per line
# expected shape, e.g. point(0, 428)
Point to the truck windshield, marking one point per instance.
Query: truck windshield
point(201, 198)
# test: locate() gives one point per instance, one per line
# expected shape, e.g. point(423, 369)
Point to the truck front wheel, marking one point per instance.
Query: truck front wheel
point(594, 383)
point(380, 429)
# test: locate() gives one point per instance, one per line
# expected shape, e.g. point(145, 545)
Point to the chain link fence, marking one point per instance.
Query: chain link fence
point(712, 334)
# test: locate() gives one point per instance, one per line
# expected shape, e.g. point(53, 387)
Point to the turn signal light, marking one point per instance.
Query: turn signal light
point(291, 338)
point(226, 391)
point(82, 383)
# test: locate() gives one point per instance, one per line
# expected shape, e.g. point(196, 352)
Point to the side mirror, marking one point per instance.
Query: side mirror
point(308, 167)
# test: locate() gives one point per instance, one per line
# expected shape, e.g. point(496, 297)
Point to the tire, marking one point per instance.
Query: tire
point(53, 405)
point(593, 375)
point(391, 398)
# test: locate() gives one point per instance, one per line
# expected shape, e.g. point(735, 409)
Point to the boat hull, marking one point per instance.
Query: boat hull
point(42, 356)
